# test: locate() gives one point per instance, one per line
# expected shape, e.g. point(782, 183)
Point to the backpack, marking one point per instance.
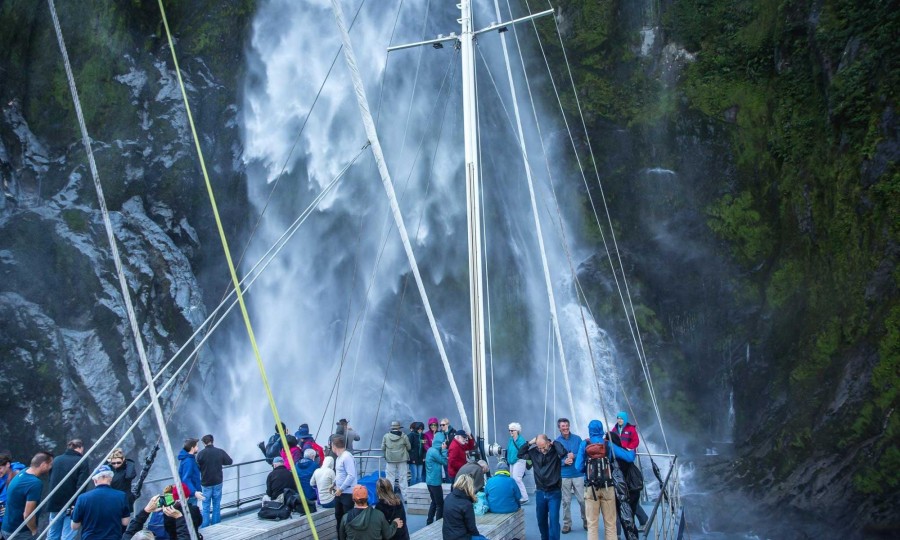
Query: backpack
point(634, 478)
point(599, 472)
point(274, 511)
point(273, 448)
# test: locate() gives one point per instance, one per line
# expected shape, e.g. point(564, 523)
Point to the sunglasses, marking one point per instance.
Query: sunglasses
point(115, 462)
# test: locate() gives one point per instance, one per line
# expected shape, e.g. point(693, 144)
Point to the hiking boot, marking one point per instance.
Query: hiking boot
point(566, 529)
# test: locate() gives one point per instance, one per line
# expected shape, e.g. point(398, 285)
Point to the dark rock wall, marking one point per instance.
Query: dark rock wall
point(69, 360)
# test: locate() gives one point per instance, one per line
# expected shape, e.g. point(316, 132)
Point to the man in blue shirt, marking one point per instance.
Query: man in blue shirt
point(103, 512)
point(572, 479)
point(23, 495)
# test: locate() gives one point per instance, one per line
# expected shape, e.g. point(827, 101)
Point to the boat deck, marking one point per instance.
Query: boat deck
point(250, 527)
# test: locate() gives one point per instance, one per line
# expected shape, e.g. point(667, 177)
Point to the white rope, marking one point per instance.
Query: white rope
point(362, 102)
point(636, 333)
point(628, 315)
point(537, 221)
point(547, 379)
point(123, 282)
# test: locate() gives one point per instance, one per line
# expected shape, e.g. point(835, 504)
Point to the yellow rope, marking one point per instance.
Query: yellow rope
point(236, 281)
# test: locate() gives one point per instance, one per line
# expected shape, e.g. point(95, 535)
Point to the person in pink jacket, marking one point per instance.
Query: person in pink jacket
point(429, 435)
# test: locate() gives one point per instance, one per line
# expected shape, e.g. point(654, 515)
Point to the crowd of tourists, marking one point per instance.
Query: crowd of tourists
point(565, 468)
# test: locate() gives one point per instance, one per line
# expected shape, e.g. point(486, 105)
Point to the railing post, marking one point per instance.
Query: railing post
point(238, 490)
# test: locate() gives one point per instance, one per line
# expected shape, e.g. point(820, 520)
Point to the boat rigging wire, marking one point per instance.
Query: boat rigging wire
point(120, 272)
point(234, 277)
point(630, 317)
point(362, 102)
point(388, 225)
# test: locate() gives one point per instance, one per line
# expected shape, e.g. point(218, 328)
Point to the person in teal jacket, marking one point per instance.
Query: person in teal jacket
point(501, 491)
point(517, 466)
point(435, 461)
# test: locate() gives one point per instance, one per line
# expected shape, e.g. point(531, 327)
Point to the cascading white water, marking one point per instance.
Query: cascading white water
point(323, 295)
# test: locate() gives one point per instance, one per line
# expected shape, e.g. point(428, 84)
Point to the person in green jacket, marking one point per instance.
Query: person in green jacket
point(364, 522)
point(517, 466)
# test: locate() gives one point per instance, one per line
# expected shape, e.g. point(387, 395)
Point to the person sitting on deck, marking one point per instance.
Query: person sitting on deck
point(391, 506)
point(363, 522)
point(459, 512)
point(501, 491)
point(279, 479)
point(296, 453)
point(307, 441)
point(477, 471)
point(306, 467)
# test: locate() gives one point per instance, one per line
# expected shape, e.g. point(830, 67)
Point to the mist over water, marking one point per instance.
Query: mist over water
point(326, 295)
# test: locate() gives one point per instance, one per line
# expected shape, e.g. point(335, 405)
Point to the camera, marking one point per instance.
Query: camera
point(166, 499)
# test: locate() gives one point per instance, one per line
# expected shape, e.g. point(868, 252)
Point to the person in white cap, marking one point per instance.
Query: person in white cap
point(395, 445)
point(102, 512)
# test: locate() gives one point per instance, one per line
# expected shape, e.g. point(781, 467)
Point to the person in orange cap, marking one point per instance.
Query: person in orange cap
point(364, 522)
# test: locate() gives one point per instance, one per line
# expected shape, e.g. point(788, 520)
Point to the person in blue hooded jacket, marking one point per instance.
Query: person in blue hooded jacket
point(305, 469)
point(188, 469)
point(8, 470)
point(599, 501)
point(501, 491)
point(435, 461)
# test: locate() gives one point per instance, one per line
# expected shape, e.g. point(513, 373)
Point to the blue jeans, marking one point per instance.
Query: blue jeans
point(213, 496)
point(548, 513)
point(62, 529)
point(416, 474)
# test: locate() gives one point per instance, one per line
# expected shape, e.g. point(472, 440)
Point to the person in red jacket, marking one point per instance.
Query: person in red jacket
point(626, 432)
point(456, 456)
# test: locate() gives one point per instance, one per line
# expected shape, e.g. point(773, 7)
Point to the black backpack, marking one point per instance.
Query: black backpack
point(599, 471)
point(274, 511)
point(634, 478)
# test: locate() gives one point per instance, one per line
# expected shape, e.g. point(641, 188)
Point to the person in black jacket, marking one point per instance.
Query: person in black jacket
point(135, 530)
point(391, 506)
point(62, 529)
point(279, 479)
point(459, 512)
point(416, 453)
point(211, 460)
point(124, 472)
point(546, 458)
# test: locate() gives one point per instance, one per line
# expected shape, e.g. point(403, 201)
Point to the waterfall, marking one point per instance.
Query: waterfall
point(323, 297)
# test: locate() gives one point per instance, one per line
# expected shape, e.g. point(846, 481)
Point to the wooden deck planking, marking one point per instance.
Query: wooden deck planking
point(418, 500)
point(493, 526)
point(249, 527)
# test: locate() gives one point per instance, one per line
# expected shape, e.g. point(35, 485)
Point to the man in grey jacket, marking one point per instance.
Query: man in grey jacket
point(396, 446)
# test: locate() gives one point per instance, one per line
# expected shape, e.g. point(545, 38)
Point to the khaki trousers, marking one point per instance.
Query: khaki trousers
point(604, 504)
point(570, 487)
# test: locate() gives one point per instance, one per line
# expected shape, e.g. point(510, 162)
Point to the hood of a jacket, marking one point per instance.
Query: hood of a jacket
point(624, 416)
point(307, 465)
point(361, 521)
point(595, 428)
point(184, 454)
point(395, 436)
point(432, 420)
point(328, 463)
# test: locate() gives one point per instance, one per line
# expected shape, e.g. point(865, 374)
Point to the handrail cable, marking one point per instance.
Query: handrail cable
point(630, 316)
point(249, 279)
point(120, 272)
point(234, 277)
point(387, 226)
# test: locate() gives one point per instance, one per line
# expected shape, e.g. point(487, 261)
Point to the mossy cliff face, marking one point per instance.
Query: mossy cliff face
point(750, 163)
point(69, 361)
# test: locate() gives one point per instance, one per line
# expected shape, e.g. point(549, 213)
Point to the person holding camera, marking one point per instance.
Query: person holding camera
point(101, 513)
point(135, 530)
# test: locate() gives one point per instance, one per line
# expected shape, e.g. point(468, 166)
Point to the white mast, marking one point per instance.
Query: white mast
point(473, 218)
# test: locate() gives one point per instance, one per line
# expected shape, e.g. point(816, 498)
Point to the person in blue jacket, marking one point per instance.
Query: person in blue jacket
point(305, 469)
point(600, 501)
point(435, 461)
point(501, 491)
point(8, 470)
point(188, 469)
point(572, 480)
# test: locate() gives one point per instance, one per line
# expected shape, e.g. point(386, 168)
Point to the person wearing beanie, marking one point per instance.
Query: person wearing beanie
point(517, 468)
point(501, 491)
point(627, 432)
point(279, 479)
point(363, 522)
point(395, 445)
